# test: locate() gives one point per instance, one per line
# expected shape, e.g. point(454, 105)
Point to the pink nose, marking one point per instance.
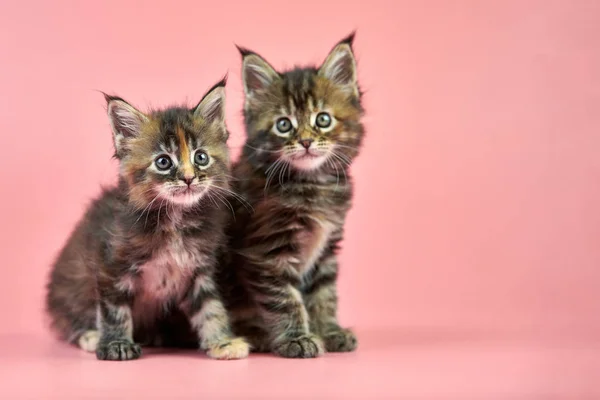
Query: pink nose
point(188, 180)
point(306, 143)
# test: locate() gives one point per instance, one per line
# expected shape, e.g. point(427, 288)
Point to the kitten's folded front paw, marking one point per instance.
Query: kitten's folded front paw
point(340, 340)
point(308, 346)
point(231, 349)
point(118, 350)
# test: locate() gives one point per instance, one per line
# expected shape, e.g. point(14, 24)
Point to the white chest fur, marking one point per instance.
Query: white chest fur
point(169, 270)
point(167, 274)
point(313, 243)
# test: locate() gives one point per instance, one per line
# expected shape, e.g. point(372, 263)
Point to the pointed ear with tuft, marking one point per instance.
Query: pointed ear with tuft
point(257, 73)
point(125, 120)
point(211, 109)
point(340, 66)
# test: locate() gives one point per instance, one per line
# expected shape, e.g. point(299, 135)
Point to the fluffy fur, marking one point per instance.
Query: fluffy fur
point(303, 131)
point(138, 269)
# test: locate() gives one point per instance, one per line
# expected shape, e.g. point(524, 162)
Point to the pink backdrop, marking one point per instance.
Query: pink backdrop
point(478, 190)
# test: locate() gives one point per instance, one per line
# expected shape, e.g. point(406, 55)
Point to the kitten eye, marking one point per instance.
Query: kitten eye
point(284, 125)
point(201, 158)
point(163, 163)
point(323, 120)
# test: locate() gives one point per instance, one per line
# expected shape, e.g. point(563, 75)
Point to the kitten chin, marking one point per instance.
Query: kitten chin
point(308, 162)
point(283, 268)
point(311, 159)
point(139, 267)
point(186, 196)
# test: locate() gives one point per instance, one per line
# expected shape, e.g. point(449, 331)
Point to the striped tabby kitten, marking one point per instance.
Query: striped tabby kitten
point(303, 131)
point(138, 269)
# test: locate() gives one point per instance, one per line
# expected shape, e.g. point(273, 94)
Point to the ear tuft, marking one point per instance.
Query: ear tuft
point(125, 120)
point(244, 51)
point(257, 73)
point(221, 83)
point(211, 108)
point(348, 39)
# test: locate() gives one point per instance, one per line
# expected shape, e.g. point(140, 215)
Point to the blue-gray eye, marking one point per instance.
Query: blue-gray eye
point(323, 120)
point(163, 163)
point(284, 125)
point(201, 158)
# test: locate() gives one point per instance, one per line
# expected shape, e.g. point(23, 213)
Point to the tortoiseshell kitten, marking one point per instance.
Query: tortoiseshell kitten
point(139, 267)
point(303, 131)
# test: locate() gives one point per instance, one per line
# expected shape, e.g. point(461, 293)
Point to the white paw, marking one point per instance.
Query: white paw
point(230, 350)
point(89, 341)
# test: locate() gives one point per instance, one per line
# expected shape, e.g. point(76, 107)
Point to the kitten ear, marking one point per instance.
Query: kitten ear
point(340, 65)
point(125, 121)
point(257, 73)
point(211, 108)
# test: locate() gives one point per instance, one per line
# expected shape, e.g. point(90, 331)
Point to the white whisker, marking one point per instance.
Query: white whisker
point(236, 196)
point(271, 171)
point(263, 150)
point(227, 203)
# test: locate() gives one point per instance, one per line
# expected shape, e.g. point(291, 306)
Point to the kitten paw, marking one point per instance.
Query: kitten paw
point(118, 350)
point(340, 341)
point(232, 349)
point(89, 341)
point(309, 346)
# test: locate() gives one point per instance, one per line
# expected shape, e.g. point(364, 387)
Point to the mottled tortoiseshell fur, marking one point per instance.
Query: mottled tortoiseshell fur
point(138, 269)
point(281, 278)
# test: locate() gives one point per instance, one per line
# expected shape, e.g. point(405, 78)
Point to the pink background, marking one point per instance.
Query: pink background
point(471, 267)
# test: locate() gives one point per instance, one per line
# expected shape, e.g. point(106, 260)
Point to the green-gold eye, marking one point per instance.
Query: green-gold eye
point(163, 163)
point(283, 125)
point(323, 120)
point(201, 158)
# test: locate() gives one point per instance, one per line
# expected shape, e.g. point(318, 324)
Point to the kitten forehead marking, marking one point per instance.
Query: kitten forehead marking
point(184, 150)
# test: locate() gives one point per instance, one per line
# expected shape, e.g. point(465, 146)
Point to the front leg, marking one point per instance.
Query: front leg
point(209, 318)
point(115, 323)
point(282, 309)
point(320, 295)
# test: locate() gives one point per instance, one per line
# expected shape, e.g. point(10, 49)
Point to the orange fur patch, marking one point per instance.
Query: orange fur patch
point(184, 153)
